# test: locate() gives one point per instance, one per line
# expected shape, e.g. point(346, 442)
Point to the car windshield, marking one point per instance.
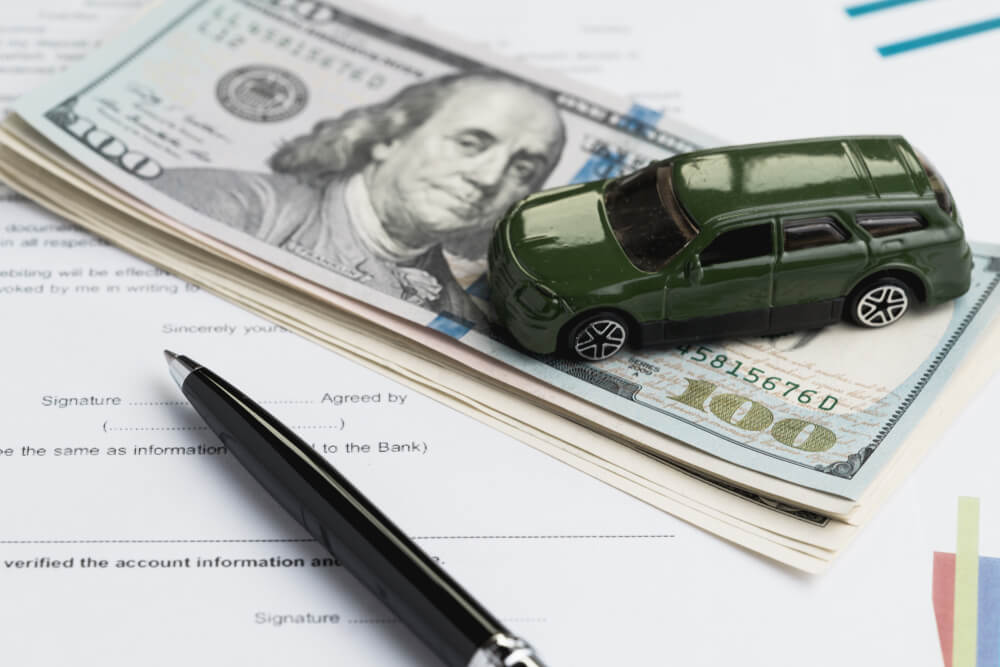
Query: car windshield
point(646, 217)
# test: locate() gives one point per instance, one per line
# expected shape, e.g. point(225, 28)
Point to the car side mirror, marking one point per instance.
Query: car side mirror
point(693, 271)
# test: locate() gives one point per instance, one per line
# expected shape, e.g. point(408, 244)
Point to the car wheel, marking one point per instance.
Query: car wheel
point(597, 337)
point(880, 303)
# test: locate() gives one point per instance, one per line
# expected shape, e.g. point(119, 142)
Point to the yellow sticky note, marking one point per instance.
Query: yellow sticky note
point(966, 583)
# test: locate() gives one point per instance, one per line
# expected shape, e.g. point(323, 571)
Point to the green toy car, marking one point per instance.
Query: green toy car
point(738, 241)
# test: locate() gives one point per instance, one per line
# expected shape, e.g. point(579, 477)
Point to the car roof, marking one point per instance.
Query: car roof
point(713, 183)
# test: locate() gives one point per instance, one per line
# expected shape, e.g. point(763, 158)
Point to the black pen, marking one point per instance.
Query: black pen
point(408, 581)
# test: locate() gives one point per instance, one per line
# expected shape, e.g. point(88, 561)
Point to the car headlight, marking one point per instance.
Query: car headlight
point(539, 300)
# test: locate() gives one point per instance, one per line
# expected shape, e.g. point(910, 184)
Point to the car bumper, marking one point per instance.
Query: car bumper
point(535, 328)
point(957, 282)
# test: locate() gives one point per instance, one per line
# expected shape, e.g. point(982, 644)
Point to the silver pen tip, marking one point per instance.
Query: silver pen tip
point(180, 366)
point(506, 650)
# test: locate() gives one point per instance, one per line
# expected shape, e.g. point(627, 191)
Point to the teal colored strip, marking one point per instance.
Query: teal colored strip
point(938, 37)
point(869, 7)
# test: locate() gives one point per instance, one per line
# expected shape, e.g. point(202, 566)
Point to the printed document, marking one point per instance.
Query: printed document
point(132, 536)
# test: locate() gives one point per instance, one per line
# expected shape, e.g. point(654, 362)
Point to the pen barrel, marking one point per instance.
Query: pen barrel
point(368, 544)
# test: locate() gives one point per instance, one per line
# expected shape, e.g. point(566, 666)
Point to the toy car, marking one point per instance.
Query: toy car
point(738, 241)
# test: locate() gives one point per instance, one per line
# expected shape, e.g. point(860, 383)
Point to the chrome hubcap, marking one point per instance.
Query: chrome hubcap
point(600, 339)
point(882, 305)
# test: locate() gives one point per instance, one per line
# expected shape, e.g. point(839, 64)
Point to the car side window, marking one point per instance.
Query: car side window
point(737, 244)
point(812, 232)
point(886, 224)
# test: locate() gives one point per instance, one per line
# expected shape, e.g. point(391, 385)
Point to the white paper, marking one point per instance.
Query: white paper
point(587, 574)
point(39, 39)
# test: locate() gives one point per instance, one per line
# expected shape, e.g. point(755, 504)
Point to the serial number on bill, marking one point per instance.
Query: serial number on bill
point(235, 30)
point(757, 376)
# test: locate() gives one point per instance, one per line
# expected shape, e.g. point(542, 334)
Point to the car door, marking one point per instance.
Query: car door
point(725, 288)
point(818, 262)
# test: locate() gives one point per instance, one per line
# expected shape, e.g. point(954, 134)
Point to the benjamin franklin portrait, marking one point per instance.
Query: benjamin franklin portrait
point(395, 194)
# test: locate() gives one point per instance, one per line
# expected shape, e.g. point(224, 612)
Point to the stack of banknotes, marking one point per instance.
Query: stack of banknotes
point(339, 171)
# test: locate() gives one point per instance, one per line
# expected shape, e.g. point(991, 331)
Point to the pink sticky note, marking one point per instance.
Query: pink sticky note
point(943, 592)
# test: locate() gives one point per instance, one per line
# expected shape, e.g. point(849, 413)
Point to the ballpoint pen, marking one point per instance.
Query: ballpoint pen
point(408, 581)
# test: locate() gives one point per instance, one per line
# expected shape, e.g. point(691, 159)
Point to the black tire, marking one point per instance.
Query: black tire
point(596, 337)
point(879, 303)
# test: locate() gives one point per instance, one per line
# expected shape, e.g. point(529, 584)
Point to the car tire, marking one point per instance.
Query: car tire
point(879, 303)
point(597, 337)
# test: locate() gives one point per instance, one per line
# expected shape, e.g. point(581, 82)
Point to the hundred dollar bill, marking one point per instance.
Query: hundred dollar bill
point(335, 143)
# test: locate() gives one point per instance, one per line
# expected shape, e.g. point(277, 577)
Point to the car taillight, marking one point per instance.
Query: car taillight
point(938, 187)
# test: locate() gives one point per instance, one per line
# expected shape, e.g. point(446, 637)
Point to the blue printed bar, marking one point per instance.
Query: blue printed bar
point(988, 631)
point(869, 7)
point(451, 325)
point(938, 37)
